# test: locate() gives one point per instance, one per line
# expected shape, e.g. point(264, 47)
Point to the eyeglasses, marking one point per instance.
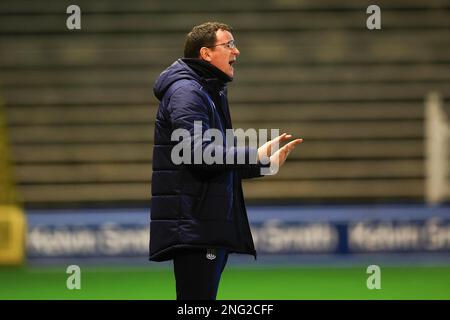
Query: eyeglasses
point(230, 45)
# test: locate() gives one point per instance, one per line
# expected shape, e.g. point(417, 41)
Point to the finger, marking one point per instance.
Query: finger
point(286, 150)
point(275, 140)
point(286, 136)
point(292, 144)
point(281, 137)
point(295, 142)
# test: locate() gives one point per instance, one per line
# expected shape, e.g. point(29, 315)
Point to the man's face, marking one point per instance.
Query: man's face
point(222, 56)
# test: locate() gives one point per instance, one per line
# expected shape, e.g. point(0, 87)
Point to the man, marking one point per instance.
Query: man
point(198, 212)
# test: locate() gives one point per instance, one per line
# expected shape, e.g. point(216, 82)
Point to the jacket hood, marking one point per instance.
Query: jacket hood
point(179, 70)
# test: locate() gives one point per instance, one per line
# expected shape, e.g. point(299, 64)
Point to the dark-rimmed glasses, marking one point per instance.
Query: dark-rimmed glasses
point(230, 45)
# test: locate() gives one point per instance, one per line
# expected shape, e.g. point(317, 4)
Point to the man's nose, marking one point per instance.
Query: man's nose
point(236, 51)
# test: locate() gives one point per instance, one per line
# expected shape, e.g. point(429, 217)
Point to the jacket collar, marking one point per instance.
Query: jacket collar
point(212, 77)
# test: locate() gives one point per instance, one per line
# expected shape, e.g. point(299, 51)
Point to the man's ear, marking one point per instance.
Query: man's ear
point(205, 54)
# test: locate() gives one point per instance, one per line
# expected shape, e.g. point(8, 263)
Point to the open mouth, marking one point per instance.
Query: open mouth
point(231, 62)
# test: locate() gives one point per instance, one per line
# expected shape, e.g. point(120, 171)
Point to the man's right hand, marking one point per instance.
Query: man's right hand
point(279, 157)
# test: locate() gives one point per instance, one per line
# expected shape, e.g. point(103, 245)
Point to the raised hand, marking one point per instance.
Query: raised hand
point(280, 156)
point(265, 151)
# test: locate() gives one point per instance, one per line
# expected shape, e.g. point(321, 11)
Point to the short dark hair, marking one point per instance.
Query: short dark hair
point(202, 35)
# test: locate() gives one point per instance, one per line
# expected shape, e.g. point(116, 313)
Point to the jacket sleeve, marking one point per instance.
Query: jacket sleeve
point(252, 172)
point(190, 113)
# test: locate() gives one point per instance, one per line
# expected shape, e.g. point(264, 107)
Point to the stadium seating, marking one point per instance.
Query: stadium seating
point(80, 106)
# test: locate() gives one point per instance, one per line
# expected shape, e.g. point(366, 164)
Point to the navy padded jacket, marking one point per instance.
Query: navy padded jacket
point(195, 205)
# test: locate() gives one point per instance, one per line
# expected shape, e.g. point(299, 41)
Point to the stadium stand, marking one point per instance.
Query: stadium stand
point(80, 107)
point(8, 194)
point(12, 219)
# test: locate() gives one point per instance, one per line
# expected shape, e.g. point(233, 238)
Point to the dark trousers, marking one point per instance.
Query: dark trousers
point(198, 272)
